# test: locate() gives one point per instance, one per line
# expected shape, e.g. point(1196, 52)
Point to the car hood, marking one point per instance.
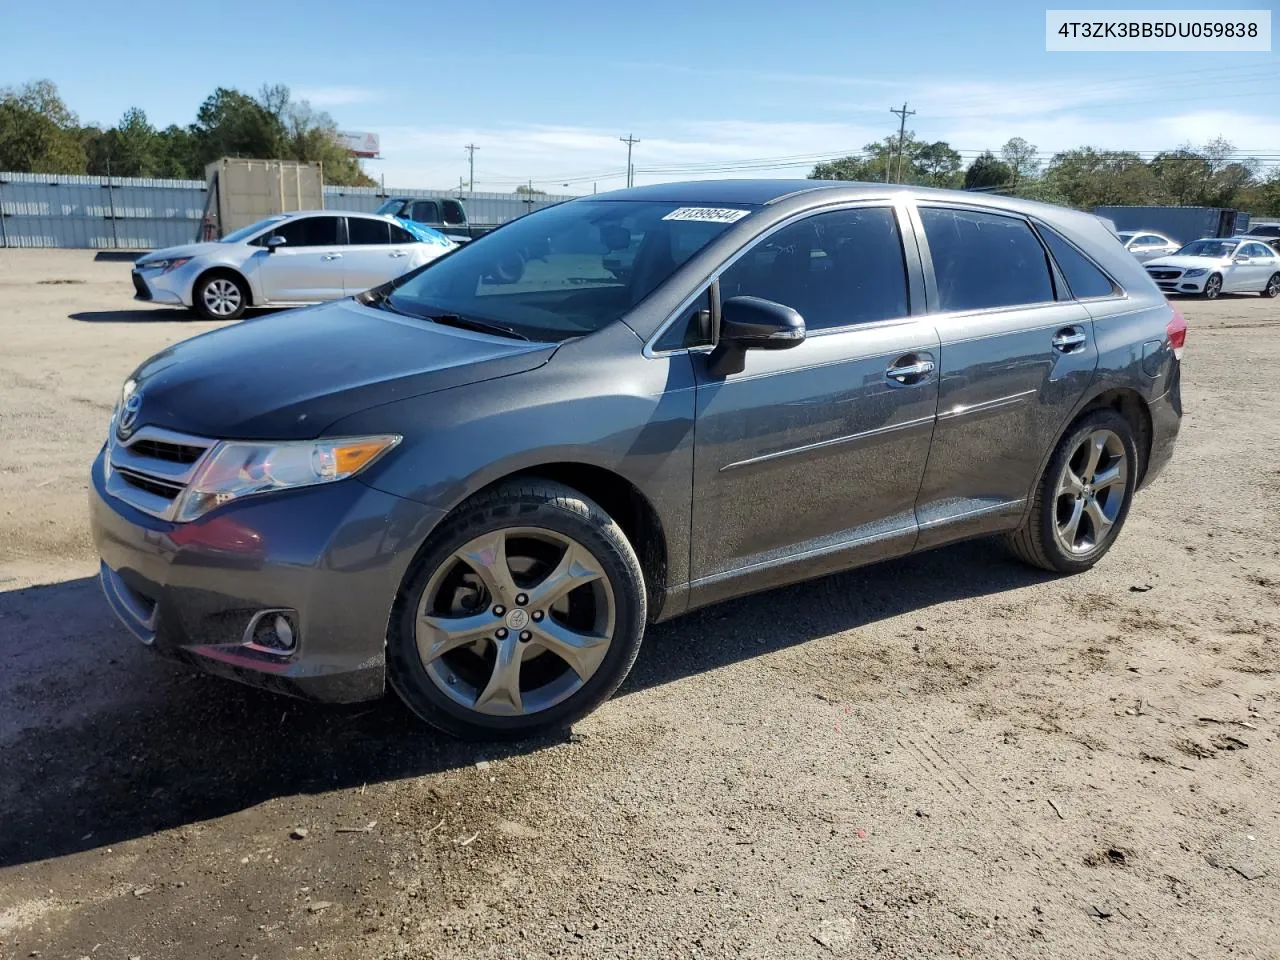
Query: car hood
point(1185, 263)
point(189, 250)
point(289, 375)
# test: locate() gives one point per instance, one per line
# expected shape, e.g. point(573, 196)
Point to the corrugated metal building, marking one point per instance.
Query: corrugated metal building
point(120, 213)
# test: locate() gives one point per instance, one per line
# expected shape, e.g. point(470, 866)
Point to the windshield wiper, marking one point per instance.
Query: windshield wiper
point(479, 326)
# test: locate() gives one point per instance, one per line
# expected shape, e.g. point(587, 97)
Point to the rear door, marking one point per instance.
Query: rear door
point(308, 266)
point(810, 459)
point(370, 256)
point(1017, 352)
point(1254, 274)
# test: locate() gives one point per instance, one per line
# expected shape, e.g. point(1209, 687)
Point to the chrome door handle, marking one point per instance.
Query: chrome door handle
point(332, 256)
point(918, 369)
point(398, 253)
point(1067, 340)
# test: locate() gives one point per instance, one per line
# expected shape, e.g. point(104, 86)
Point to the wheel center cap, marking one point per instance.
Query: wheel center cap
point(517, 619)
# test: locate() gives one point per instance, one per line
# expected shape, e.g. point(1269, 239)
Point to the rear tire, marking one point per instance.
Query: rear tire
point(1213, 287)
point(1272, 289)
point(1083, 498)
point(524, 612)
point(220, 296)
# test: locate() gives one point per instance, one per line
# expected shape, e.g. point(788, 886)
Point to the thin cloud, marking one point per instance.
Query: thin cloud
point(335, 96)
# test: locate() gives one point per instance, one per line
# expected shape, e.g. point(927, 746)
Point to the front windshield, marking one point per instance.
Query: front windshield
point(391, 207)
point(1207, 248)
point(244, 233)
point(565, 271)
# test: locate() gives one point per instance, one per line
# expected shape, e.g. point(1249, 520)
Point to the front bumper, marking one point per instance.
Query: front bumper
point(1179, 284)
point(335, 554)
point(173, 287)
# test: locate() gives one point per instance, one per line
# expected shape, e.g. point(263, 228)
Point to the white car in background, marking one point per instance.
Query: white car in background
point(1216, 265)
point(1146, 245)
point(288, 260)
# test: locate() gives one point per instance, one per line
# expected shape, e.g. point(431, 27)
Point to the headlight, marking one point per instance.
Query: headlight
point(242, 469)
point(1197, 272)
point(164, 266)
point(126, 391)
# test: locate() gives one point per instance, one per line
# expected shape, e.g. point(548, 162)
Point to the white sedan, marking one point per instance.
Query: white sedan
point(287, 260)
point(1145, 245)
point(1214, 266)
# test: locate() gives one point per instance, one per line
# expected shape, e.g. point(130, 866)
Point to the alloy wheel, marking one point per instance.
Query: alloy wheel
point(515, 621)
point(1213, 288)
point(1273, 286)
point(221, 296)
point(1090, 492)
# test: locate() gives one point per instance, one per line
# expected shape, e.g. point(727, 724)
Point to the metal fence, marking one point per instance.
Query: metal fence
point(122, 213)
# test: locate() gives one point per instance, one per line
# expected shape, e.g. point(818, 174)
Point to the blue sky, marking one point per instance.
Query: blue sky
point(545, 90)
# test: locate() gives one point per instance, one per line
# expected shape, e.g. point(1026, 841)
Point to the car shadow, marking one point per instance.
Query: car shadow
point(182, 747)
point(148, 315)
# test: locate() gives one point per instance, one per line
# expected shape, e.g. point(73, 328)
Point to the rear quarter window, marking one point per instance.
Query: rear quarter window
point(1084, 278)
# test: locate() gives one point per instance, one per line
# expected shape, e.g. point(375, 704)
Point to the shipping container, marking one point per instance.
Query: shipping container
point(243, 191)
point(1182, 224)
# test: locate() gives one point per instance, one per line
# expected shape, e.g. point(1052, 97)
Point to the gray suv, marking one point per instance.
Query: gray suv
point(481, 481)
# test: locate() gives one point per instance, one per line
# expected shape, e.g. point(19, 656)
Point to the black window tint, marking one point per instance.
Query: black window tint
point(691, 329)
point(401, 235)
point(835, 269)
point(425, 211)
point(983, 260)
point(1084, 279)
point(361, 231)
point(453, 213)
point(309, 232)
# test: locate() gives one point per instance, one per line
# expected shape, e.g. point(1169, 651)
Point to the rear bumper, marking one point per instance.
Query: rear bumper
point(1166, 420)
point(333, 554)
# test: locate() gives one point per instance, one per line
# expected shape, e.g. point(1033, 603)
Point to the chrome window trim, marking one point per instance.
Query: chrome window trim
point(895, 202)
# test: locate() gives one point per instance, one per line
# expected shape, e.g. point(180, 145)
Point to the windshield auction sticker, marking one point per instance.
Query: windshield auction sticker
point(1130, 31)
point(707, 214)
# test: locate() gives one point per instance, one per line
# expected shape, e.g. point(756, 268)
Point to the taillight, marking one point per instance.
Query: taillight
point(1176, 331)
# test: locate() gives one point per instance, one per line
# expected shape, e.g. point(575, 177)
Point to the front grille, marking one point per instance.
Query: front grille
point(140, 286)
point(166, 450)
point(151, 469)
point(1165, 274)
point(155, 487)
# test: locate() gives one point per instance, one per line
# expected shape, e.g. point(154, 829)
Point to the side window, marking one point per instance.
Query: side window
point(691, 329)
point(1149, 240)
point(309, 232)
point(454, 215)
point(362, 231)
point(984, 260)
point(425, 211)
point(1084, 279)
point(835, 269)
point(401, 235)
point(1257, 250)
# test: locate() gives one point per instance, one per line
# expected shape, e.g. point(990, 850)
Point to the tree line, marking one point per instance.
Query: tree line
point(40, 134)
point(1209, 175)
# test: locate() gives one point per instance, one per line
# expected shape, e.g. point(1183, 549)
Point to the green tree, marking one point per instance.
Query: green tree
point(938, 164)
point(38, 134)
point(1020, 157)
point(132, 148)
point(1087, 178)
point(846, 168)
point(986, 172)
point(524, 190)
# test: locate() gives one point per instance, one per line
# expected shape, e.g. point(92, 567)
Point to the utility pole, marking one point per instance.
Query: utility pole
point(630, 141)
point(471, 149)
point(459, 183)
point(902, 132)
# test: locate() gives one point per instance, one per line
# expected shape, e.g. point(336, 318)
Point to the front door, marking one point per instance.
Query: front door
point(1018, 351)
point(307, 266)
point(810, 459)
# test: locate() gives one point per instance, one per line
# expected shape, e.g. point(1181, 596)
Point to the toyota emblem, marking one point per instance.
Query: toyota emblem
point(129, 415)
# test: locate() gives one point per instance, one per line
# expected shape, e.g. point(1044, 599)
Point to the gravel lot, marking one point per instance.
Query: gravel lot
point(945, 755)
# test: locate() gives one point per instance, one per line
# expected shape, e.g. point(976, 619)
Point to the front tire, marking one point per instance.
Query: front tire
point(220, 296)
point(524, 612)
point(1083, 498)
point(1213, 287)
point(1272, 289)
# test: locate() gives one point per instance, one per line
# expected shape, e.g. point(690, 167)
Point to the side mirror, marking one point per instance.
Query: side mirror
point(751, 323)
point(274, 241)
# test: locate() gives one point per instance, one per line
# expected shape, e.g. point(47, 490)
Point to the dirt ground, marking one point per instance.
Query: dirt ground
point(948, 755)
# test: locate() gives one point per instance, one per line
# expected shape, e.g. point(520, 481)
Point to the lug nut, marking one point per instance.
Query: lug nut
point(499, 610)
point(525, 636)
point(502, 633)
point(522, 599)
point(537, 615)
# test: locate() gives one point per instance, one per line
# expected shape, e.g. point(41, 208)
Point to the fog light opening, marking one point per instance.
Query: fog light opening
point(273, 631)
